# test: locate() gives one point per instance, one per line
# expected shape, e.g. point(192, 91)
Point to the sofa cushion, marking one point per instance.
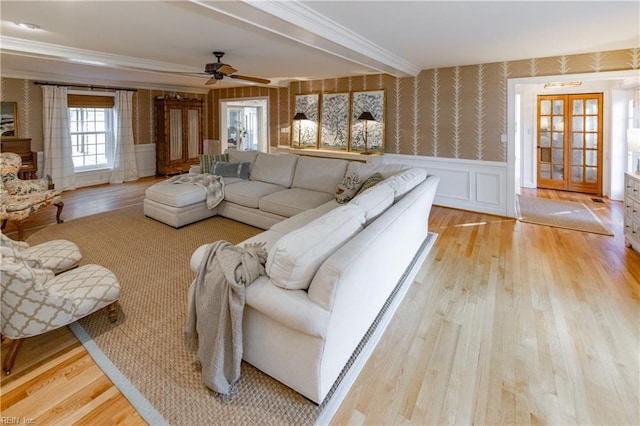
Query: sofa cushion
point(375, 200)
point(406, 181)
point(366, 170)
point(249, 193)
point(276, 169)
point(228, 169)
point(319, 174)
point(301, 219)
point(294, 259)
point(239, 156)
point(293, 201)
point(176, 194)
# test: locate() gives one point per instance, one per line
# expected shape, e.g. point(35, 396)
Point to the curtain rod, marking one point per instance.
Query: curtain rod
point(86, 86)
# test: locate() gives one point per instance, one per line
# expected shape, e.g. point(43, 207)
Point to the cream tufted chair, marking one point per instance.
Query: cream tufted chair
point(20, 198)
point(34, 300)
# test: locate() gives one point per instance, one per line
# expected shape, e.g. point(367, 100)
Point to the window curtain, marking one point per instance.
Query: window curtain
point(125, 167)
point(58, 161)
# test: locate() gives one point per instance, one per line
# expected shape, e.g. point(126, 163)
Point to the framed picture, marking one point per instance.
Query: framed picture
point(8, 122)
point(371, 130)
point(305, 132)
point(334, 127)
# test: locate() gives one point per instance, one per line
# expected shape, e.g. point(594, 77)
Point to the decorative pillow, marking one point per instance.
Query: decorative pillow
point(372, 180)
point(348, 188)
point(374, 201)
point(207, 159)
point(295, 258)
point(239, 170)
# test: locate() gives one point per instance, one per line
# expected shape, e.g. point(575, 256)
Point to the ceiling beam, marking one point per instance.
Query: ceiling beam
point(297, 22)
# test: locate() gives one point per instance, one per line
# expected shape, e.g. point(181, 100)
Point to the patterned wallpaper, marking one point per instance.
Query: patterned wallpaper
point(456, 112)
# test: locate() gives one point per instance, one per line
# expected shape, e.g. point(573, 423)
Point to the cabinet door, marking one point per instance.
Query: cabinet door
point(175, 135)
point(193, 133)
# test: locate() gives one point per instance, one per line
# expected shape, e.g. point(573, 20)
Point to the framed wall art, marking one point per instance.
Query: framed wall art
point(305, 130)
point(8, 119)
point(367, 131)
point(334, 125)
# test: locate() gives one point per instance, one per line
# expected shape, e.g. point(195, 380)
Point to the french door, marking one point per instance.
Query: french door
point(570, 142)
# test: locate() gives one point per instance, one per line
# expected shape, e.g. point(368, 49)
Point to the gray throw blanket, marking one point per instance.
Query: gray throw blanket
point(212, 184)
point(215, 306)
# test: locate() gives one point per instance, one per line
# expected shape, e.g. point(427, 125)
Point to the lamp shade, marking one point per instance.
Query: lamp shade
point(300, 116)
point(366, 115)
point(633, 139)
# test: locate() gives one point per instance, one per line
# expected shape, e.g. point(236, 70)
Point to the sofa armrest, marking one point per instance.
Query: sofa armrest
point(291, 308)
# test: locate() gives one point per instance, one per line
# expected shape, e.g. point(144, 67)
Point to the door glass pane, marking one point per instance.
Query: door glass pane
point(591, 158)
point(558, 156)
point(592, 106)
point(577, 140)
point(576, 174)
point(578, 107)
point(545, 107)
point(545, 124)
point(545, 141)
point(545, 171)
point(558, 124)
point(558, 107)
point(545, 155)
point(591, 140)
point(576, 157)
point(592, 175)
point(576, 123)
point(558, 139)
point(591, 124)
point(558, 173)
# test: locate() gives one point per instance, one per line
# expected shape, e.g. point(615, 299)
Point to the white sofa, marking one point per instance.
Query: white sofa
point(330, 269)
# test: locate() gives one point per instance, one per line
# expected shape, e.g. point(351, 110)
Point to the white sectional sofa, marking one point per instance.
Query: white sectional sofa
point(331, 268)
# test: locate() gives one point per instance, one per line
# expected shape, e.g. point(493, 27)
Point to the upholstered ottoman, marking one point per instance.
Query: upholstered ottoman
point(177, 204)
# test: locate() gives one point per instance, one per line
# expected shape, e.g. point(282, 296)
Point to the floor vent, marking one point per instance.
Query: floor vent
point(597, 200)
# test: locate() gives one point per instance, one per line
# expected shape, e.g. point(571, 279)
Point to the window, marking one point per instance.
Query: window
point(91, 137)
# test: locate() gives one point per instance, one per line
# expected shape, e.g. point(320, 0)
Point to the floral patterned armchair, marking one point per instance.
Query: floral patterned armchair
point(21, 198)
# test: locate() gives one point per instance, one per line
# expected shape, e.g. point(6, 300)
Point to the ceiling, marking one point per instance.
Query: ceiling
point(164, 44)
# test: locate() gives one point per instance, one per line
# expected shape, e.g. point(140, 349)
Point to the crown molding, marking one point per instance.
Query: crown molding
point(297, 22)
point(88, 57)
point(65, 79)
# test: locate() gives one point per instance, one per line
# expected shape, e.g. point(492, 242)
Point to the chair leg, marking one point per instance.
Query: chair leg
point(59, 205)
point(11, 355)
point(20, 226)
point(112, 311)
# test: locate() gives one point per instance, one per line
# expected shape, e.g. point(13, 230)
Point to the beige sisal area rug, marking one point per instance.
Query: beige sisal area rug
point(151, 261)
point(560, 214)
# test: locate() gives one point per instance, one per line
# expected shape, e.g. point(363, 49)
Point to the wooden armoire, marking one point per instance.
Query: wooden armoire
point(179, 134)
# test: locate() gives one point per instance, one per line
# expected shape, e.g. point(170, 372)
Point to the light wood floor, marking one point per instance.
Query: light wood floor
point(506, 323)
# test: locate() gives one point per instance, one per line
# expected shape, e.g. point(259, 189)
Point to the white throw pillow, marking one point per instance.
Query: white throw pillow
point(406, 181)
point(374, 200)
point(295, 258)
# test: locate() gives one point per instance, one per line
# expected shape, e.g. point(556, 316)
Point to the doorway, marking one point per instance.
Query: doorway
point(570, 142)
point(243, 124)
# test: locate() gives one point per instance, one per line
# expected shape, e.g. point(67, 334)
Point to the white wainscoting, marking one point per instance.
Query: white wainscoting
point(479, 186)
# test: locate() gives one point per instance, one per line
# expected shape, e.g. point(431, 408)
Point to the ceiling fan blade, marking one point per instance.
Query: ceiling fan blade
point(226, 69)
point(253, 79)
point(212, 80)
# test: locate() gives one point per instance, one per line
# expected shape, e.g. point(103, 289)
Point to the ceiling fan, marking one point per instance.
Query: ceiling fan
point(218, 70)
